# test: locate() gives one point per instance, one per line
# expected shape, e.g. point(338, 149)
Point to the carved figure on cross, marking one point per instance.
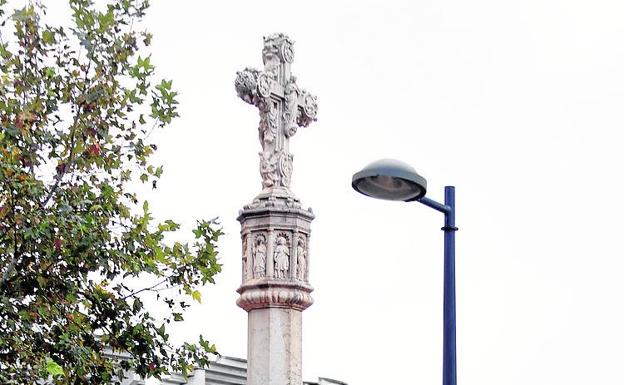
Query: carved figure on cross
point(283, 107)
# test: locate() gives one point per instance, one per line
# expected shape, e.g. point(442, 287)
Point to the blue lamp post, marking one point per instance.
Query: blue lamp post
point(396, 181)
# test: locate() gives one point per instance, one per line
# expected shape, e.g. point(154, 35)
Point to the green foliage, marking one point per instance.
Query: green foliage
point(77, 106)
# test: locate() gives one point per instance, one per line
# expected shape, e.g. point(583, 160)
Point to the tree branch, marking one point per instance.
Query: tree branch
point(70, 160)
point(13, 262)
point(145, 289)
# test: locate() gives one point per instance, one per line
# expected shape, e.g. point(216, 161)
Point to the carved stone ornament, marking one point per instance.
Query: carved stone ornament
point(287, 201)
point(285, 168)
point(270, 51)
point(291, 95)
point(264, 84)
point(245, 258)
point(283, 107)
point(273, 124)
point(302, 259)
point(245, 84)
point(281, 257)
point(287, 50)
point(286, 294)
point(268, 169)
point(310, 105)
point(259, 256)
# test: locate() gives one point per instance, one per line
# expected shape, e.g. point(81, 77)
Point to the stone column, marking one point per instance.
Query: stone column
point(275, 229)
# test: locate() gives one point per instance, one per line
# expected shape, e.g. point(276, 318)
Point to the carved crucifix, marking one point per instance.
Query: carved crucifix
point(283, 108)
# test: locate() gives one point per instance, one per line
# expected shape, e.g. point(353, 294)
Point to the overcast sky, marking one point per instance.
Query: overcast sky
point(516, 103)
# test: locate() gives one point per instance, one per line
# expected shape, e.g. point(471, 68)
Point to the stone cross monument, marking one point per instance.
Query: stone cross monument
point(275, 230)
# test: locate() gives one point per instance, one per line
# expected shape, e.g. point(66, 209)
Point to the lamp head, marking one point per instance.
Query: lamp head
point(390, 179)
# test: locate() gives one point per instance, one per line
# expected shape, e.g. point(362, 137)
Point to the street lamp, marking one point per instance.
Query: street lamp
point(393, 180)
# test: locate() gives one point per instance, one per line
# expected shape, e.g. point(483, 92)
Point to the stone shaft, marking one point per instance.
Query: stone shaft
point(274, 347)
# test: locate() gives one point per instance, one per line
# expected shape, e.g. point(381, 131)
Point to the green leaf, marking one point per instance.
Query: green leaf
point(47, 36)
point(137, 305)
point(105, 19)
point(196, 296)
point(53, 368)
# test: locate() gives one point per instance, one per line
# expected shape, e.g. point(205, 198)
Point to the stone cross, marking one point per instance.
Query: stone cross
point(275, 230)
point(283, 108)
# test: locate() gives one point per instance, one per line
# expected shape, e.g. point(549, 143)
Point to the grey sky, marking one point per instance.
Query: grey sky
point(517, 104)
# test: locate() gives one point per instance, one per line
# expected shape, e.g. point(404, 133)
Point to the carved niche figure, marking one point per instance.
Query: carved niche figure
point(245, 258)
point(259, 257)
point(302, 263)
point(269, 169)
point(285, 168)
point(281, 258)
point(291, 110)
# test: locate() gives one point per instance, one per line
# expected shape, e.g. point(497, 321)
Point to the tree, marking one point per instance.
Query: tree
point(77, 106)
